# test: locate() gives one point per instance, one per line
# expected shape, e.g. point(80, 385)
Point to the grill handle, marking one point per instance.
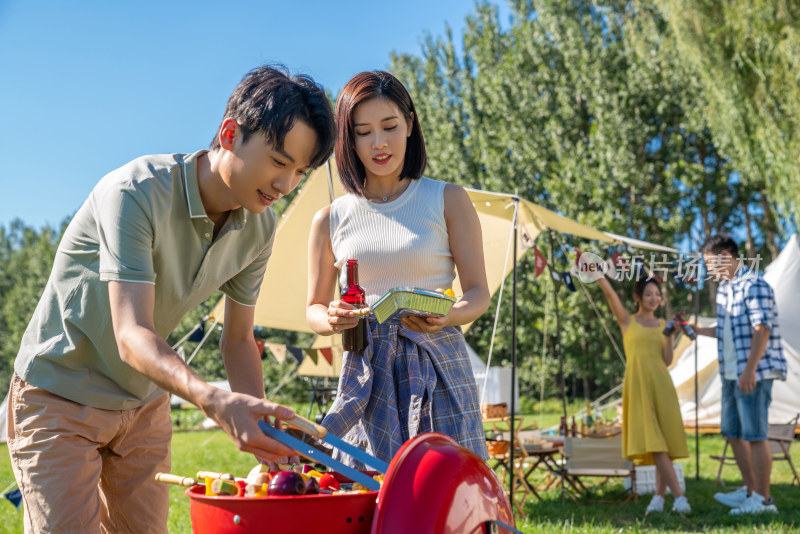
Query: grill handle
point(307, 427)
point(169, 478)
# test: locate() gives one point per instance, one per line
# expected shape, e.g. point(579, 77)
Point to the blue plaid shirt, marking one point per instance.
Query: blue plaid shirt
point(751, 302)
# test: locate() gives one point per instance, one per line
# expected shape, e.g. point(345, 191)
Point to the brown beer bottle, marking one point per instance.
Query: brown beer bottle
point(354, 338)
point(562, 429)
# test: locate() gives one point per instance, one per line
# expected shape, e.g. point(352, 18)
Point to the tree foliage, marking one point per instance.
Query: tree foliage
point(26, 257)
point(666, 120)
point(746, 58)
point(570, 108)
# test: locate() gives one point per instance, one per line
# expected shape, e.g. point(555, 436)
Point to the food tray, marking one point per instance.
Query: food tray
point(401, 301)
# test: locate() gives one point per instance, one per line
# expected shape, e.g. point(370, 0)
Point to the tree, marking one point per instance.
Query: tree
point(573, 110)
point(746, 56)
point(26, 257)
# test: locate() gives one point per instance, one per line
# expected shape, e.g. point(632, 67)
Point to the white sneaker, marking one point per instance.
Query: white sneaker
point(734, 499)
point(681, 505)
point(656, 505)
point(754, 504)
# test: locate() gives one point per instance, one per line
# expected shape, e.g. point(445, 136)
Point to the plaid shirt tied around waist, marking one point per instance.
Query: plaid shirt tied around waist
point(747, 300)
point(405, 383)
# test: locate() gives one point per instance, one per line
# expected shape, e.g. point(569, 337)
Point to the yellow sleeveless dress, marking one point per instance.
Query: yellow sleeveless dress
point(651, 415)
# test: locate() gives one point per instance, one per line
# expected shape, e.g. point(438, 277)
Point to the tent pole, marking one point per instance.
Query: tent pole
point(696, 394)
point(512, 407)
point(558, 330)
point(557, 345)
point(330, 179)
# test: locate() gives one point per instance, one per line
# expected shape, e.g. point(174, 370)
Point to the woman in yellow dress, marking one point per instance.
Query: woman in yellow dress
point(652, 428)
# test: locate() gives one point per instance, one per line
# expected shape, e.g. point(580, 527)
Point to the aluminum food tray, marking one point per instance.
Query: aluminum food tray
point(401, 301)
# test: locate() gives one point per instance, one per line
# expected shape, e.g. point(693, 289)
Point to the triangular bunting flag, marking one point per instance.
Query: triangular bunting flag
point(297, 352)
point(260, 345)
point(198, 334)
point(525, 240)
point(539, 262)
point(312, 353)
point(568, 281)
point(14, 497)
point(574, 270)
point(638, 269)
point(327, 354)
point(618, 260)
point(278, 350)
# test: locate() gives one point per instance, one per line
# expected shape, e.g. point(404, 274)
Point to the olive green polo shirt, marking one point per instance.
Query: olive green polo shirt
point(145, 223)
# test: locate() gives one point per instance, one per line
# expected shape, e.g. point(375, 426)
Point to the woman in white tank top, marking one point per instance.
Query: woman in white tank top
point(404, 230)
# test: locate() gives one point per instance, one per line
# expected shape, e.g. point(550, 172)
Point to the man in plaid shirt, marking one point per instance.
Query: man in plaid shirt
point(750, 358)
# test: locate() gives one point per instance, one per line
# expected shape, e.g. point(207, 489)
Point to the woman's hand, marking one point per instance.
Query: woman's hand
point(426, 325)
point(341, 316)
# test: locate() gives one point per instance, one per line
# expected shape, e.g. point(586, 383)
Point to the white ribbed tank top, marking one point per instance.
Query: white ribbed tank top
point(402, 243)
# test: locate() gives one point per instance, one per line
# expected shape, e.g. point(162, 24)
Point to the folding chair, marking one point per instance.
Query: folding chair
point(501, 464)
point(723, 459)
point(596, 457)
point(780, 438)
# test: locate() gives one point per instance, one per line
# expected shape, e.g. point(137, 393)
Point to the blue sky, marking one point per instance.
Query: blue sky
point(88, 86)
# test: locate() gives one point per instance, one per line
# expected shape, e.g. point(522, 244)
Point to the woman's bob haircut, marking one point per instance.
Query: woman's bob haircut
point(364, 86)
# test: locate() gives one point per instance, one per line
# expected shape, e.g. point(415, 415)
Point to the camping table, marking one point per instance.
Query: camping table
point(501, 464)
point(544, 459)
point(526, 465)
point(521, 470)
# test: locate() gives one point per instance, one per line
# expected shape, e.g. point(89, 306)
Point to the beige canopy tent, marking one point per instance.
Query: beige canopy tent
point(282, 301)
point(509, 225)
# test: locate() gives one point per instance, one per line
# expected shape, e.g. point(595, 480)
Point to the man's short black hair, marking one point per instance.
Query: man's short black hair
point(717, 243)
point(269, 100)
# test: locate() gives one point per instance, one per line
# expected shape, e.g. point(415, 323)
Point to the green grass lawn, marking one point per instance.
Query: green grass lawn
point(212, 450)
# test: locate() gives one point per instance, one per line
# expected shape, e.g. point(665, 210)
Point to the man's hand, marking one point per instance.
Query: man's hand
point(238, 415)
point(747, 380)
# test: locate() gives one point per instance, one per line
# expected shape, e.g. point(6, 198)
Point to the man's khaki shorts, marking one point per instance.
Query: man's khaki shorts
point(87, 470)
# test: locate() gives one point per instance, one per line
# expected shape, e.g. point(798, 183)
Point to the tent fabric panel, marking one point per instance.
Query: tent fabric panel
point(638, 243)
point(496, 236)
point(544, 218)
point(322, 368)
point(282, 304)
point(783, 274)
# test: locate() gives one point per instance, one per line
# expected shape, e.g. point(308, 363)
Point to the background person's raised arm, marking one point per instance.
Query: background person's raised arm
point(617, 309)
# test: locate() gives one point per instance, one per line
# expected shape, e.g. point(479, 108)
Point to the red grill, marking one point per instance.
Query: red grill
point(432, 486)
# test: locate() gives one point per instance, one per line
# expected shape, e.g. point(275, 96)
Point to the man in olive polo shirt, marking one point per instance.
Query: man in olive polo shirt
point(89, 421)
